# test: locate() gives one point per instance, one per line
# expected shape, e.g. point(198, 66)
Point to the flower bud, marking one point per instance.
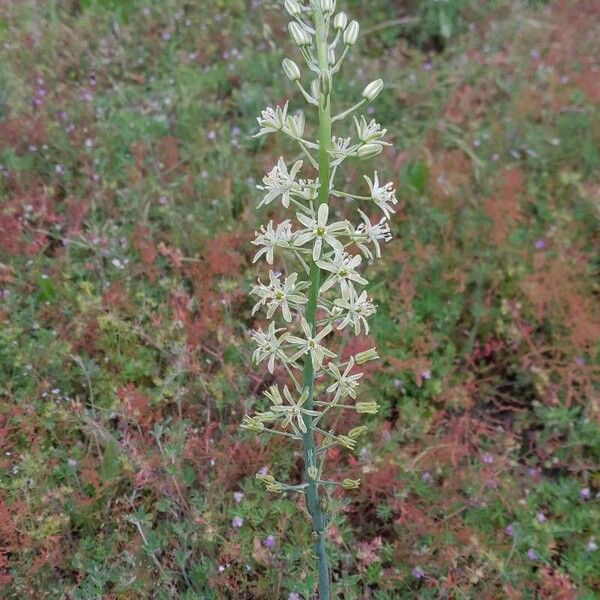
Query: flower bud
point(351, 33)
point(252, 424)
point(265, 478)
point(314, 88)
point(365, 152)
point(357, 432)
point(274, 488)
point(367, 408)
point(340, 21)
point(331, 57)
point(362, 357)
point(265, 417)
point(346, 441)
point(325, 83)
point(350, 484)
point(372, 90)
point(291, 69)
point(312, 472)
point(327, 6)
point(293, 7)
point(299, 35)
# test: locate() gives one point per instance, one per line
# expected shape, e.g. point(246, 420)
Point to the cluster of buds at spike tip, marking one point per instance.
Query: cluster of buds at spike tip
point(305, 320)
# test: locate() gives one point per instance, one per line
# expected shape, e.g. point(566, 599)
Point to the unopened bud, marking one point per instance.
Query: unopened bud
point(265, 478)
point(312, 472)
point(351, 33)
point(274, 488)
point(365, 152)
point(265, 417)
point(371, 354)
point(327, 6)
point(325, 83)
point(299, 35)
point(367, 408)
point(252, 424)
point(291, 69)
point(340, 21)
point(331, 57)
point(346, 441)
point(372, 90)
point(350, 484)
point(357, 432)
point(293, 7)
point(314, 88)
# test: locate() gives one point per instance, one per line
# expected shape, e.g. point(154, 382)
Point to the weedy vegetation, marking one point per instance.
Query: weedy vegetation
point(128, 170)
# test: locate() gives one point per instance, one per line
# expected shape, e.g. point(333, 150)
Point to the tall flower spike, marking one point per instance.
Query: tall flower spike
point(308, 310)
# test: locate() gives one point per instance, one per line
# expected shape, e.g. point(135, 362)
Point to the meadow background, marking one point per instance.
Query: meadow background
point(127, 195)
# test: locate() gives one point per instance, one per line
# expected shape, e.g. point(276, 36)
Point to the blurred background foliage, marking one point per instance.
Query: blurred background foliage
point(127, 194)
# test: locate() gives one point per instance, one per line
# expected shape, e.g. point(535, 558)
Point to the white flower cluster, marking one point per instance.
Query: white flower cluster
point(328, 293)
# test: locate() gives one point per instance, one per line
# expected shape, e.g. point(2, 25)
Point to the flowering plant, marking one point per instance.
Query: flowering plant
point(323, 297)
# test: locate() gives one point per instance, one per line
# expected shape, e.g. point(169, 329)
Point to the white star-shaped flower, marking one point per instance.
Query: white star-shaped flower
point(280, 182)
point(270, 238)
point(317, 229)
point(343, 271)
point(344, 384)
point(310, 345)
point(275, 295)
point(294, 410)
point(356, 308)
point(384, 196)
point(272, 120)
point(370, 233)
point(269, 346)
point(370, 133)
point(340, 149)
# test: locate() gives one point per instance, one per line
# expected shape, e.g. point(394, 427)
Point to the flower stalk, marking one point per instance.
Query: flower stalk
point(323, 248)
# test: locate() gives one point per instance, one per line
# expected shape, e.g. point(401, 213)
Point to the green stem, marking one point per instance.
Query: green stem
point(319, 520)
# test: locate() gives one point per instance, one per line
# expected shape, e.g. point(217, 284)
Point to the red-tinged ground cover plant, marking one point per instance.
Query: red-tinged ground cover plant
point(128, 169)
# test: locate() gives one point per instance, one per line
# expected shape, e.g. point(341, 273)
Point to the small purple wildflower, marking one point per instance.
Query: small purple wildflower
point(532, 554)
point(294, 596)
point(269, 541)
point(487, 458)
point(510, 530)
point(591, 546)
point(426, 477)
point(426, 374)
point(263, 471)
point(398, 383)
point(418, 573)
point(541, 517)
point(237, 522)
point(585, 493)
point(238, 496)
point(580, 361)
point(540, 244)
